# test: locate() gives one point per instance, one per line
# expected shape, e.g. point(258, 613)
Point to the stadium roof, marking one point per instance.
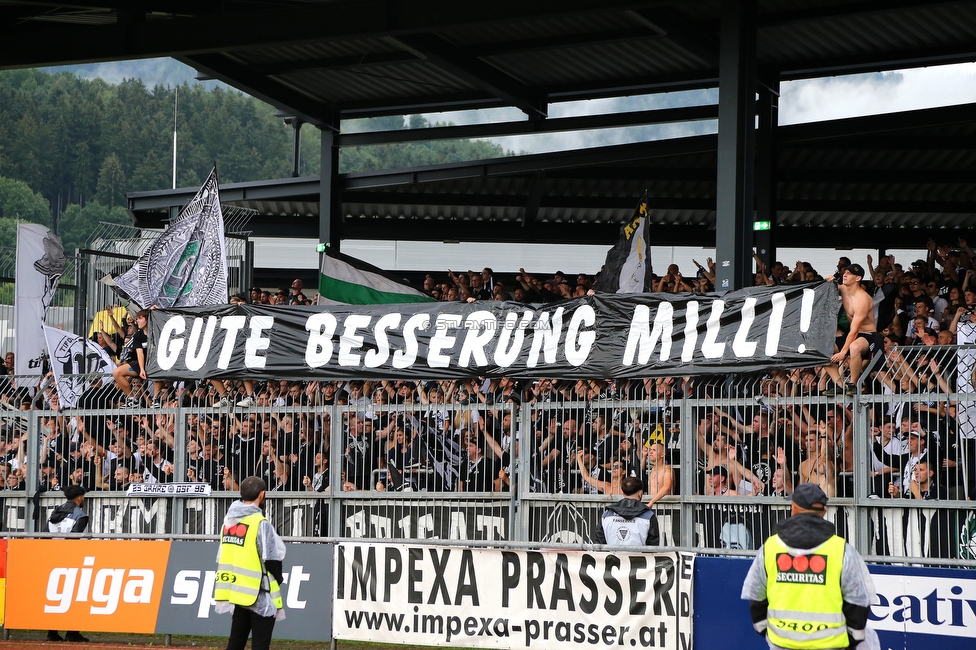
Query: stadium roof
point(890, 178)
point(324, 60)
point(884, 181)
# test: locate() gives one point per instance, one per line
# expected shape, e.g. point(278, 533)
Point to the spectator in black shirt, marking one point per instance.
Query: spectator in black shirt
point(480, 472)
point(360, 458)
point(134, 360)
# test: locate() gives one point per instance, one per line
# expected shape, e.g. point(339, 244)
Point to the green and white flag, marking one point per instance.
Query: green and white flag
point(347, 281)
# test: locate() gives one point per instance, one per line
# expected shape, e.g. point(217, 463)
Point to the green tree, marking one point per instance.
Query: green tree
point(8, 234)
point(111, 182)
point(79, 223)
point(17, 201)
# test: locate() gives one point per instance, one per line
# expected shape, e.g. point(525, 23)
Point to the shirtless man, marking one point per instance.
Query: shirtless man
point(659, 474)
point(863, 337)
point(819, 467)
point(617, 474)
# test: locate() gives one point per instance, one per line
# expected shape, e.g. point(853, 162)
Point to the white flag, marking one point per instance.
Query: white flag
point(187, 265)
point(73, 358)
point(40, 263)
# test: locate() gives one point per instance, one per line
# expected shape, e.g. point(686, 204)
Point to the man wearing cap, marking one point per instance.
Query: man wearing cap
point(69, 518)
point(717, 483)
point(917, 452)
point(862, 338)
point(807, 587)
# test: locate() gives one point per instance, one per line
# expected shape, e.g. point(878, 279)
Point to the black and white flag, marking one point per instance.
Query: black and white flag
point(628, 265)
point(74, 359)
point(187, 265)
point(604, 335)
point(40, 263)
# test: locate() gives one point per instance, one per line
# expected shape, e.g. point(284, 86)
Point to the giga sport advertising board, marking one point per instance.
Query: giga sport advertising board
point(153, 587)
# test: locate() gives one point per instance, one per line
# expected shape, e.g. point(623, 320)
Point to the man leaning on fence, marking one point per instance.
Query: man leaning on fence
point(628, 522)
point(249, 570)
point(807, 587)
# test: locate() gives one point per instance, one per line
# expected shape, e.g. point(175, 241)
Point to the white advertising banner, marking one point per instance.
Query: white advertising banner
point(488, 598)
point(195, 489)
point(920, 604)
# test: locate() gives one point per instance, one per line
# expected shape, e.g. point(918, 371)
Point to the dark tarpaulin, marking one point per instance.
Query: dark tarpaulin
point(599, 336)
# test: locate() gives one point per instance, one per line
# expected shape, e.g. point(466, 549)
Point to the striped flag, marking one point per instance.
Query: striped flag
point(348, 281)
point(628, 265)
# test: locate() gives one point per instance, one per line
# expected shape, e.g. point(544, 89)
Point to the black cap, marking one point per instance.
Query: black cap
point(929, 331)
point(856, 269)
point(72, 492)
point(718, 469)
point(809, 496)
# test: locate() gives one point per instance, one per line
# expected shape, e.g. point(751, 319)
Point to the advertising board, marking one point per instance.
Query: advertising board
point(489, 598)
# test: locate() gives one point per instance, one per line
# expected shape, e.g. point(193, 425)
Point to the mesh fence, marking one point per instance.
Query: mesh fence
point(533, 461)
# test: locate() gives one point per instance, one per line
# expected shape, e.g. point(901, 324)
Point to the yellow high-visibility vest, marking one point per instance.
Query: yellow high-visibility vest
point(239, 566)
point(805, 600)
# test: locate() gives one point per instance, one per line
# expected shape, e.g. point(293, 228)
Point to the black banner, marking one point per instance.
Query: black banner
point(594, 337)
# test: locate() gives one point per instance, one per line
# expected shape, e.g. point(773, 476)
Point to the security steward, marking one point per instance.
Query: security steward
point(807, 587)
point(249, 569)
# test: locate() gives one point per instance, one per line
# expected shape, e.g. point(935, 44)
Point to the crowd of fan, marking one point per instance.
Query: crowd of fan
point(464, 435)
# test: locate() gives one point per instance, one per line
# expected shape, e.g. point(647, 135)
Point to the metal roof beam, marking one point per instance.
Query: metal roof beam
point(231, 30)
point(480, 50)
point(870, 143)
point(880, 176)
point(847, 10)
point(557, 42)
point(537, 191)
point(631, 85)
point(534, 162)
point(880, 62)
point(705, 203)
point(847, 127)
point(551, 125)
point(477, 73)
point(513, 231)
point(894, 207)
point(334, 63)
point(608, 233)
point(520, 201)
point(160, 6)
point(692, 37)
point(267, 90)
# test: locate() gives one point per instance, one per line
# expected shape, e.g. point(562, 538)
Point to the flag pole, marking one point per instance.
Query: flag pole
point(176, 109)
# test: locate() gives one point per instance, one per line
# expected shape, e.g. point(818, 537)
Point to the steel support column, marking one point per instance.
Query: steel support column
point(736, 145)
point(768, 109)
point(330, 201)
